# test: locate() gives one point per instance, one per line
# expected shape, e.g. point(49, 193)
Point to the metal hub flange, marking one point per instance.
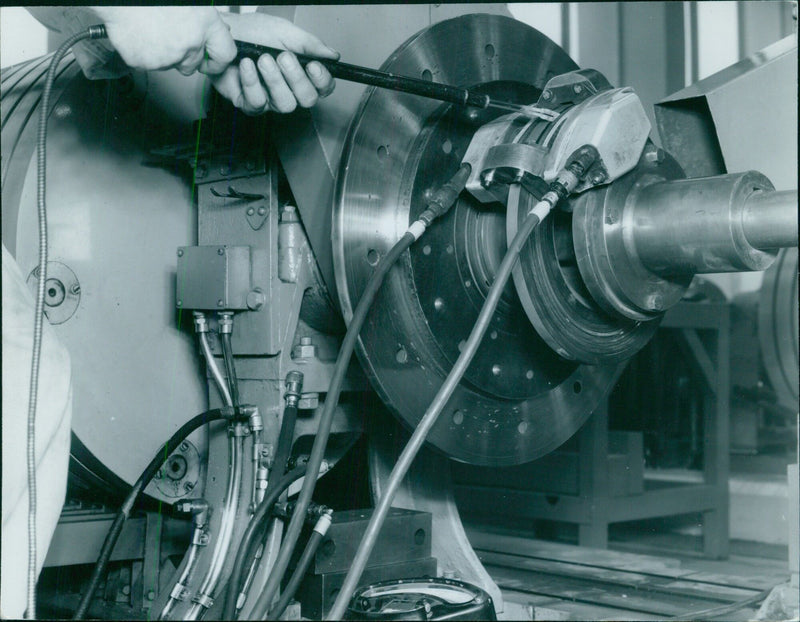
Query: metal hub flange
point(519, 399)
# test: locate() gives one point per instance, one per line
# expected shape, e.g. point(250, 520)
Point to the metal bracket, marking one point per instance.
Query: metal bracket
point(152, 559)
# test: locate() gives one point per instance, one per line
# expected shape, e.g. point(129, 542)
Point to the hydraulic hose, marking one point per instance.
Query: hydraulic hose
point(201, 328)
point(127, 506)
point(203, 600)
point(442, 201)
point(227, 354)
point(93, 32)
point(200, 510)
point(250, 536)
point(294, 384)
point(326, 419)
point(320, 529)
point(537, 214)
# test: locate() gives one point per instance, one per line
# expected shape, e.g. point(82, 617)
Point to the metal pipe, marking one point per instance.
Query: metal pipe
point(769, 219)
point(204, 598)
point(180, 591)
point(696, 226)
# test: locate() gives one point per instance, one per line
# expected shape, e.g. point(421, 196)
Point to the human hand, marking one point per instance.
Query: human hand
point(269, 85)
point(188, 38)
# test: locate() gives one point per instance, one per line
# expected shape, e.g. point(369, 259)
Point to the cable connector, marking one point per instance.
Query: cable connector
point(97, 31)
point(445, 197)
point(568, 178)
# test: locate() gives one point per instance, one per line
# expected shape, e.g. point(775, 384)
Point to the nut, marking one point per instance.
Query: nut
point(305, 349)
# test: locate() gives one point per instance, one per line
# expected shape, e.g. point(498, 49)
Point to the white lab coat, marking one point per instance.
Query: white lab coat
point(54, 414)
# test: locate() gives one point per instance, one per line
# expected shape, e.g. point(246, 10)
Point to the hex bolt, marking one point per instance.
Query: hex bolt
point(547, 95)
point(184, 446)
point(577, 88)
point(126, 589)
point(224, 169)
point(250, 211)
point(220, 303)
point(180, 252)
point(151, 595)
point(255, 299)
point(188, 486)
point(179, 303)
point(655, 156)
point(261, 211)
point(159, 474)
point(221, 250)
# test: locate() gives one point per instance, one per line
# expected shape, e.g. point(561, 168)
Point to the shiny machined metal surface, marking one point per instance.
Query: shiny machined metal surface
point(601, 222)
point(519, 399)
point(777, 326)
point(697, 225)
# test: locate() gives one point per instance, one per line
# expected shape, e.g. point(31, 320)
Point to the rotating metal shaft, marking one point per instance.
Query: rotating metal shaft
point(729, 223)
point(640, 247)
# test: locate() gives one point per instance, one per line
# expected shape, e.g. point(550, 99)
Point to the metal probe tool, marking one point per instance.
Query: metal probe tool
point(382, 79)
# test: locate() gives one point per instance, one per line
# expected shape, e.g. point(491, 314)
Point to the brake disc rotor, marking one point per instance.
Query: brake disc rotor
point(518, 399)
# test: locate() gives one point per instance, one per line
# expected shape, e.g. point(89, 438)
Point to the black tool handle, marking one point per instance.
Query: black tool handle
point(371, 77)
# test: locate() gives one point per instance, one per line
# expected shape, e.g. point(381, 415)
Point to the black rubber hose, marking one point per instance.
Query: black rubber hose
point(227, 354)
point(252, 535)
point(326, 419)
point(297, 576)
point(127, 506)
point(282, 451)
point(284, 446)
point(93, 32)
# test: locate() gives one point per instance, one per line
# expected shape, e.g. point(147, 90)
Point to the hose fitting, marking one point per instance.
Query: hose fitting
point(254, 420)
point(294, 387)
point(198, 508)
point(238, 413)
point(225, 319)
point(324, 522)
point(98, 31)
point(200, 322)
point(444, 198)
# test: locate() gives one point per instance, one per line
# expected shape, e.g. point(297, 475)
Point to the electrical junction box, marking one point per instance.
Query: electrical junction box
point(213, 277)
